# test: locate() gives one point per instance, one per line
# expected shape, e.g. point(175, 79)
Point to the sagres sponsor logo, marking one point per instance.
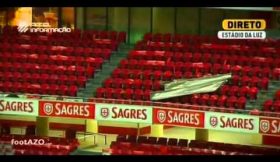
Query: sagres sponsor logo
point(213, 121)
point(41, 28)
point(104, 112)
point(67, 109)
point(124, 113)
point(178, 117)
point(161, 115)
point(232, 122)
point(48, 108)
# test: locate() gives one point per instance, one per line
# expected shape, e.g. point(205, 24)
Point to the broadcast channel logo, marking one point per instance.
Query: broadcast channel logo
point(41, 28)
point(243, 29)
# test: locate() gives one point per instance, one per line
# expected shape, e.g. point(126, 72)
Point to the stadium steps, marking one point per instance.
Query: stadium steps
point(105, 72)
point(263, 95)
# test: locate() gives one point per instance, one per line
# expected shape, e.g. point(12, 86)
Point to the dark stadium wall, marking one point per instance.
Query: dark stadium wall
point(163, 20)
point(137, 21)
point(118, 19)
point(186, 20)
point(140, 23)
point(96, 18)
point(210, 21)
point(79, 21)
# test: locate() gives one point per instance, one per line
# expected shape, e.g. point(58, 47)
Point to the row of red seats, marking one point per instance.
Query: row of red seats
point(61, 60)
point(43, 79)
point(244, 91)
point(178, 47)
point(136, 69)
point(127, 148)
point(153, 45)
point(223, 49)
point(47, 69)
point(212, 100)
point(144, 149)
point(144, 141)
point(58, 50)
point(152, 140)
point(51, 146)
point(34, 78)
point(234, 147)
point(271, 106)
point(261, 83)
point(205, 58)
point(86, 44)
point(168, 37)
point(35, 88)
point(119, 93)
point(151, 74)
point(132, 84)
point(192, 66)
point(157, 85)
point(157, 75)
point(196, 99)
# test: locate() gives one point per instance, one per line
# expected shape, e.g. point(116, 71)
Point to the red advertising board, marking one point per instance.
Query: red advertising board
point(269, 126)
point(178, 117)
point(67, 109)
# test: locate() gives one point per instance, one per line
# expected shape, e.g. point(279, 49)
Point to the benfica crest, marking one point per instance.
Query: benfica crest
point(213, 121)
point(104, 112)
point(161, 115)
point(48, 108)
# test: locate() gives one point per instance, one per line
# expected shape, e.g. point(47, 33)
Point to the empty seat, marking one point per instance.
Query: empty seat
point(162, 141)
point(131, 138)
point(121, 138)
point(152, 140)
point(142, 139)
point(183, 143)
point(172, 141)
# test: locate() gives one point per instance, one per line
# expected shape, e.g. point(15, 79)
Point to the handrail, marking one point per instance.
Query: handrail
point(145, 103)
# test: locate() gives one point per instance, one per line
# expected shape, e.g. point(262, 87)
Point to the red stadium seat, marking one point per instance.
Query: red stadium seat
point(108, 83)
point(147, 84)
point(100, 92)
point(221, 101)
point(231, 101)
point(276, 106)
point(253, 92)
point(213, 100)
point(241, 103)
point(277, 95)
point(167, 76)
point(267, 106)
